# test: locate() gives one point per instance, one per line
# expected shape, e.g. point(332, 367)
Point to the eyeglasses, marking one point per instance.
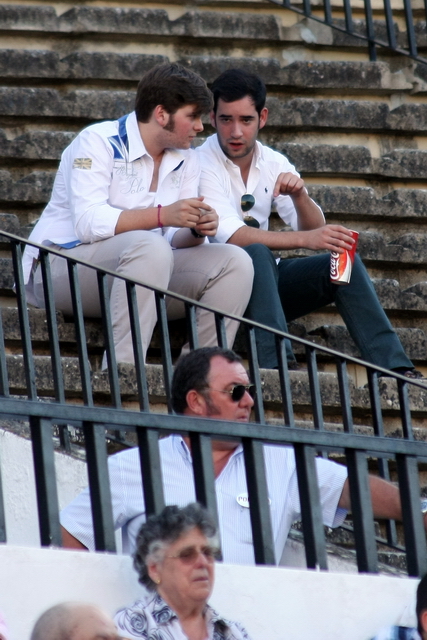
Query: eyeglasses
point(190, 554)
point(237, 391)
point(247, 201)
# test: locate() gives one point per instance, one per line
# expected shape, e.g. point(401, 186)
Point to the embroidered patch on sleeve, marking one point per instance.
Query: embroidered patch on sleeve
point(82, 163)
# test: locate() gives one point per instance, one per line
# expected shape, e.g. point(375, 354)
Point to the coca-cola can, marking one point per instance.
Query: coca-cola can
point(342, 263)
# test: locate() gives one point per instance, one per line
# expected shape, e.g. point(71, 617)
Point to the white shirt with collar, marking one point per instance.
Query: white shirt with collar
point(105, 170)
point(222, 187)
point(231, 492)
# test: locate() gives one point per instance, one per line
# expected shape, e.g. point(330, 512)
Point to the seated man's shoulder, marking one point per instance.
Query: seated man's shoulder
point(166, 445)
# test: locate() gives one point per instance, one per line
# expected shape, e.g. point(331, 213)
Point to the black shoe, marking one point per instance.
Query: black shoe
point(413, 373)
point(293, 365)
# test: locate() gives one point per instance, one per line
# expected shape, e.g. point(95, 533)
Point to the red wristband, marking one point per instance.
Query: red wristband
point(159, 206)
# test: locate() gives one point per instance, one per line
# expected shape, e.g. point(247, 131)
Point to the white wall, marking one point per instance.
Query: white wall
point(19, 494)
point(273, 603)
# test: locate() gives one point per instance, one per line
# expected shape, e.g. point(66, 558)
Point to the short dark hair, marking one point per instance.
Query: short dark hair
point(235, 84)
point(173, 86)
point(161, 530)
point(421, 602)
point(191, 372)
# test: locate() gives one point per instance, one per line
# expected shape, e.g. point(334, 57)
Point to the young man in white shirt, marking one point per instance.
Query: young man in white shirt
point(235, 164)
point(125, 198)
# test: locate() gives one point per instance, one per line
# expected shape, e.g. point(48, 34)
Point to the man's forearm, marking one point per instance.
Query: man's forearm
point(70, 542)
point(137, 219)
point(310, 215)
point(272, 239)
point(385, 498)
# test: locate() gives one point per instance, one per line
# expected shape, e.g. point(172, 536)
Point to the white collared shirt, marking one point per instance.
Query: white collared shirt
point(231, 492)
point(105, 170)
point(222, 186)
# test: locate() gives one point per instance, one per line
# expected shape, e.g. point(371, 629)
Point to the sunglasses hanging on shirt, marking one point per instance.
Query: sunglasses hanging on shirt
point(247, 201)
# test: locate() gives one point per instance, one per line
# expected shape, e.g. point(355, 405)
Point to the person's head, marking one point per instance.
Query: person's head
point(235, 84)
point(239, 113)
point(172, 86)
point(175, 553)
point(204, 384)
point(421, 607)
point(74, 621)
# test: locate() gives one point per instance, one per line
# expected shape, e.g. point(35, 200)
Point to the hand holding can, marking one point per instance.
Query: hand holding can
point(342, 263)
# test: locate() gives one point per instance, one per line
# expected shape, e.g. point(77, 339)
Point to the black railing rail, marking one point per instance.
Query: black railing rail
point(93, 420)
point(380, 32)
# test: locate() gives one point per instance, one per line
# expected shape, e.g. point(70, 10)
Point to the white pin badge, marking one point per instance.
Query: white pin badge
point(243, 500)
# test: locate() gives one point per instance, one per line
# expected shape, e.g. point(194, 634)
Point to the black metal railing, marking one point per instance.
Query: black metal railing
point(404, 452)
point(380, 31)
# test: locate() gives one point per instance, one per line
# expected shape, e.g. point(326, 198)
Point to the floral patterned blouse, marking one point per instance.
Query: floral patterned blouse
point(153, 619)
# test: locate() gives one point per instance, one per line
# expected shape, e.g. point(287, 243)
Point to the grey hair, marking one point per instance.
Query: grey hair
point(159, 531)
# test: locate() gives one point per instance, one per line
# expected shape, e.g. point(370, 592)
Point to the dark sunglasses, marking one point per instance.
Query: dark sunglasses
point(247, 201)
point(237, 391)
point(190, 554)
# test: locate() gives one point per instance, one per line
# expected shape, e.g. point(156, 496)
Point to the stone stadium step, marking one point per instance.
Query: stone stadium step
point(333, 336)
point(347, 160)
point(33, 188)
point(300, 113)
point(39, 330)
point(331, 401)
point(364, 202)
point(337, 337)
point(203, 23)
point(311, 159)
point(128, 22)
point(80, 66)
point(35, 145)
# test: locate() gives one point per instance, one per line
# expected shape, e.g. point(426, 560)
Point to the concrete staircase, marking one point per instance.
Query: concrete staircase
point(356, 130)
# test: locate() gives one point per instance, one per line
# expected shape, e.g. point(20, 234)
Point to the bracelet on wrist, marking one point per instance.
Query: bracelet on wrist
point(159, 222)
point(195, 234)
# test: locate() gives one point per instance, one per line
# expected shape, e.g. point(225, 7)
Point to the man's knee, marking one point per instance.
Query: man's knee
point(259, 253)
point(240, 260)
point(146, 245)
point(359, 273)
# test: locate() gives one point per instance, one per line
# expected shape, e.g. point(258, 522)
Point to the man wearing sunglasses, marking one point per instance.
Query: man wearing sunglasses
point(212, 383)
point(243, 179)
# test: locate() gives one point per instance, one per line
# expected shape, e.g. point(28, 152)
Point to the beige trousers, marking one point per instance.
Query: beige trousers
point(217, 275)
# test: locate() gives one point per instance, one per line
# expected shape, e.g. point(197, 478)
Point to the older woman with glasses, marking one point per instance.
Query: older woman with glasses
point(175, 558)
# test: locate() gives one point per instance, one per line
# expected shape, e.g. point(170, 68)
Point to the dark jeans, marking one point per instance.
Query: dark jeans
point(297, 286)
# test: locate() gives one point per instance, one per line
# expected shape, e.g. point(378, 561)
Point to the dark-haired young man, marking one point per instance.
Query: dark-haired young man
point(125, 196)
point(235, 164)
point(212, 383)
